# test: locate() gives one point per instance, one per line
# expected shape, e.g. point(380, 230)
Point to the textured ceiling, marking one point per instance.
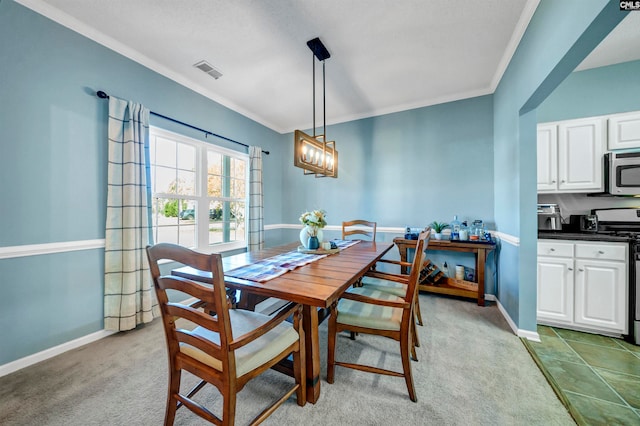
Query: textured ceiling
point(386, 56)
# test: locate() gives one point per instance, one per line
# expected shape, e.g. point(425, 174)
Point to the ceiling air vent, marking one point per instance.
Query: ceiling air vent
point(209, 69)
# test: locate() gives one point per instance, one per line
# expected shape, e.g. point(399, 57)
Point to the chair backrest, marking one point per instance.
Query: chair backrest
point(359, 227)
point(416, 265)
point(211, 298)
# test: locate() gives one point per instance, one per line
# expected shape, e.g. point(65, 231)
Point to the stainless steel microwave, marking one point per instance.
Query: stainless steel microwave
point(623, 174)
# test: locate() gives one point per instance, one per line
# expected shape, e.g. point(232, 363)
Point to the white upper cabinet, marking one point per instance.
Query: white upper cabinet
point(580, 155)
point(547, 157)
point(570, 155)
point(624, 131)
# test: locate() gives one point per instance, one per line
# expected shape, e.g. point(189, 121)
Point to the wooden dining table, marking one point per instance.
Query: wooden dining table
point(316, 286)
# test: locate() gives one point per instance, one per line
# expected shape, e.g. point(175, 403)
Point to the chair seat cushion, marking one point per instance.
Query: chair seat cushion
point(359, 314)
point(386, 286)
point(253, 354)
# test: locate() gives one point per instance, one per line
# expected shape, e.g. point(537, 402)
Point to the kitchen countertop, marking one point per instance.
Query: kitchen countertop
point(581, 236)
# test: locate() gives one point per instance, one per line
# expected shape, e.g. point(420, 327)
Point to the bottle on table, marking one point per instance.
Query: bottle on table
point(455, 228)
point(464, 231)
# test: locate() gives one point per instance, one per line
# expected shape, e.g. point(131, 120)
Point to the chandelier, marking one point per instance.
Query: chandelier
point(314, 154)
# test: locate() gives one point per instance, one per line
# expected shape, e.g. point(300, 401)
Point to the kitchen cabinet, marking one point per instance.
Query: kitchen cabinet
point(624, 131)
point(570, 155)
point(583, 285)
point(547, 157)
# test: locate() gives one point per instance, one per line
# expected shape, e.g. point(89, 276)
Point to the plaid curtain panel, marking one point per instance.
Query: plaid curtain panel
point(128, 296)
point(256, 210)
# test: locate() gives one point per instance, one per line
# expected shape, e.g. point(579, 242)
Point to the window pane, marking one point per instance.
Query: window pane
point(214, 163)
point(186, 157)
point(214, 186)
point(174, 221)
point(165, 152)
point(165, 180)
point(238, 168)
point(237, 188)
point(186, 183)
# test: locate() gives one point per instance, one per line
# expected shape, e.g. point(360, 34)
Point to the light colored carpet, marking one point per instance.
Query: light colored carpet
point(472, 370)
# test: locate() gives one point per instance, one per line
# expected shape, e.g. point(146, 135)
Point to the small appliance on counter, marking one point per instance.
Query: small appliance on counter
point(589, 223)
point(549, 218)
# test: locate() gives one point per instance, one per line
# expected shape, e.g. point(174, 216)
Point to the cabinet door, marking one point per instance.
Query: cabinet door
point(624, 130)
point(555, 289)
point(580, 155)
point(547, 158)
point(601, 295)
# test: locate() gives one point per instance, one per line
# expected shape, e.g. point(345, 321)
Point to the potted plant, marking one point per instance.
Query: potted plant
point(438, 227)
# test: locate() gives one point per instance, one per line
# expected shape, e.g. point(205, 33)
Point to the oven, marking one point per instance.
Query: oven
point(625, 222)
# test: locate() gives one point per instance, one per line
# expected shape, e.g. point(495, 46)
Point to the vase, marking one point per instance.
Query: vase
point(438, 235)
point(313, 243)
point(305, 233)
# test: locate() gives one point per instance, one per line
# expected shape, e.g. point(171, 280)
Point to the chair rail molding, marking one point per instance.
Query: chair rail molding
point(49, 248)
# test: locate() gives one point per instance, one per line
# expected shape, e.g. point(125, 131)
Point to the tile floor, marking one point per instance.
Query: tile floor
point(596, 377)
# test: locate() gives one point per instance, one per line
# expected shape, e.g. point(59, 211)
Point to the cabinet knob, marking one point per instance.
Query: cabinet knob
point(600, 252)
point(552, 249)
point(553, 181)
point(580, 269)
point(563, 181)
point(571, 269)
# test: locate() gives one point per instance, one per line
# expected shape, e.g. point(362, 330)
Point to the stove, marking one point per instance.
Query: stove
point(625, 222)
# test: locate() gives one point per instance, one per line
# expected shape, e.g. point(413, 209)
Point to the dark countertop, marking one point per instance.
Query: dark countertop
point(580, 236)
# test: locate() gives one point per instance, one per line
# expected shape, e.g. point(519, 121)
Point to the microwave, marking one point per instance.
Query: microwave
point(622, 173)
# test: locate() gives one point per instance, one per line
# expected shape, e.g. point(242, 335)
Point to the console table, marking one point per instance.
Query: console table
point(448, 285)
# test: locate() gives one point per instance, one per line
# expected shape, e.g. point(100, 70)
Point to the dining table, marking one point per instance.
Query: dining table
point(316, 286)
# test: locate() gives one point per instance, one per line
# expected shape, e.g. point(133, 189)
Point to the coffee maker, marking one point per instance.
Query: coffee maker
point(549, 218)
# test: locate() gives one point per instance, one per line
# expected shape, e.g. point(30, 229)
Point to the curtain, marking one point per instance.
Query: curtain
point(128, 294)
point(256, 210)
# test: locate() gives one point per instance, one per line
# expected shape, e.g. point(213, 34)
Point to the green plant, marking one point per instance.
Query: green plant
point(438, 227)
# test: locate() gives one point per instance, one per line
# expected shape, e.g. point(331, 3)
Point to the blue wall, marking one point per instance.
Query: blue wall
point(558, 38)
point(408, 168)
point(598, 91)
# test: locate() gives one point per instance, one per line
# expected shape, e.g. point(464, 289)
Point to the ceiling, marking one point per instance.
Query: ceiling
point(386, 56)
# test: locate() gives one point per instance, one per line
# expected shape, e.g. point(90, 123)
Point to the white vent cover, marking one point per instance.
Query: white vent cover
point(209, 69)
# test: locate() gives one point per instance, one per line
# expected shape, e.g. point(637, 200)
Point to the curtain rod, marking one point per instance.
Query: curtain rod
point(103, 95)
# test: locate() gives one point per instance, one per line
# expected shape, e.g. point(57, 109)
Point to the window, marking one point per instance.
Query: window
point(199, 193)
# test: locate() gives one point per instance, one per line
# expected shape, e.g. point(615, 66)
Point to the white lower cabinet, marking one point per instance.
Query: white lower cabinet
point(583, 285)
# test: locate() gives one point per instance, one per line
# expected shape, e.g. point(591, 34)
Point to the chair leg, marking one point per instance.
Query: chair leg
point(415, 342)
point(229, 405)
point(418, 312)
point(331, 346)
point(300, 372)
point(406, 367)
point(172, 401)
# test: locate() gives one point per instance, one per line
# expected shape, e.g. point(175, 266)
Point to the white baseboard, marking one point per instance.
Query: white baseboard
point(51, 352)
point(529, 335)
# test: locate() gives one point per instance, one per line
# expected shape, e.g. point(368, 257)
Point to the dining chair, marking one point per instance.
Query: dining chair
point(225, 350)
point(375, 312)
point(396, 284)
point(360, 228)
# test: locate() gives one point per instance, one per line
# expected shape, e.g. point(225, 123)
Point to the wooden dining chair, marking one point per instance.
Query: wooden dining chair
point(360, 228)
point(226, 350)
point(395, 284)
point(369, 311)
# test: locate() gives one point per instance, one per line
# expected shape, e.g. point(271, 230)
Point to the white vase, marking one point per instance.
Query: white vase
point(438, 235)
point(304, 236)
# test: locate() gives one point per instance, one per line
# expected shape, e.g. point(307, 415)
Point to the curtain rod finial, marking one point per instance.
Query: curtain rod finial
point(102, 95)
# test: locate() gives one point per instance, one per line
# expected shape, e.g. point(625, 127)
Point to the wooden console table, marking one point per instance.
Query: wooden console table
point(448, 285)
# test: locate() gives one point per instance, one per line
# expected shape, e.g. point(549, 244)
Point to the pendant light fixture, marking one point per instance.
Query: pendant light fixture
point(314, 154)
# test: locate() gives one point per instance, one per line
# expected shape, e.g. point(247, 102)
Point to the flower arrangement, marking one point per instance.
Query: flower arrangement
point(316, 219)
